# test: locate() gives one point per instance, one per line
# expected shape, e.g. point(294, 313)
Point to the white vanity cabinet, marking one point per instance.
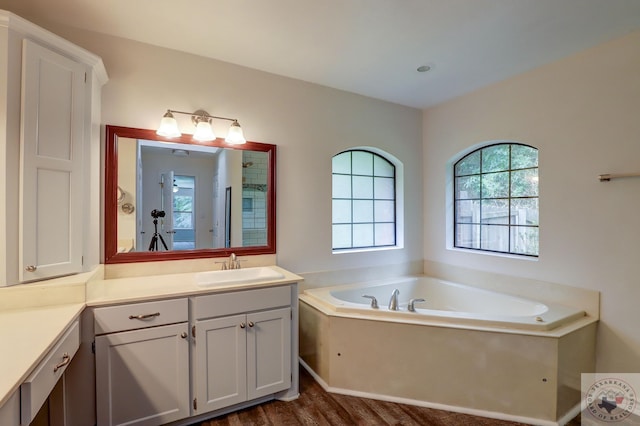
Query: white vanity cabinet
point(10, 411)
point(190, 358)
point(142, 363)
point(49, 121)
point(35, 390)
point(242, 349)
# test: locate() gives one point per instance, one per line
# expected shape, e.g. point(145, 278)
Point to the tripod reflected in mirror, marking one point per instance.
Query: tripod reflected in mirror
point(153, 245)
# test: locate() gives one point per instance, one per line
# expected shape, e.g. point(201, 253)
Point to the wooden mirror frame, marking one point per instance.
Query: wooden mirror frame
point(111, 254)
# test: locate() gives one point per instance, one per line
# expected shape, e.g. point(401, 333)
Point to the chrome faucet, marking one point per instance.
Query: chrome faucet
point(232, 263)
point(393, 302)
point(374, 302)
point(411, 307)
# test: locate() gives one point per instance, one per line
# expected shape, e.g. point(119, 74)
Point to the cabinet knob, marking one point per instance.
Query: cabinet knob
point(251, 324)
point(184, 335)
point(31, 268)
point(242, 325)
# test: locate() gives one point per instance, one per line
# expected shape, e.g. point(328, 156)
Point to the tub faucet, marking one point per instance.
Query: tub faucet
point(412, 308)
point(393, 302)
point(374, 302)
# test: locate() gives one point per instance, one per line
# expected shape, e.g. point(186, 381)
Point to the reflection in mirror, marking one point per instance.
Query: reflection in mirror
point(174, 199)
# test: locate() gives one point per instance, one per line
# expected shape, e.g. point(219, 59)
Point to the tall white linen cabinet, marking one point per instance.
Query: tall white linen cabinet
point(49, 153)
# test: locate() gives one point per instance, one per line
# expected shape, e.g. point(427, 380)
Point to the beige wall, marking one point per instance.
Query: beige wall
point(583, 114)
point(127, 162)
point(308, 123)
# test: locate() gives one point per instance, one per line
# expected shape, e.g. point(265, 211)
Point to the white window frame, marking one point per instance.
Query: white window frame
point(399, 201)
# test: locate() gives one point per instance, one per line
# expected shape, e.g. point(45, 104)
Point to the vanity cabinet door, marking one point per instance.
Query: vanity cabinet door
point(142, 376)
point(268, 352)
point(220, 377)
point(51, 185)
point(241, 357)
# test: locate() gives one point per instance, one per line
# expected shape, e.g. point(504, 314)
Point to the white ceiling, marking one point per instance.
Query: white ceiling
point(370, 47)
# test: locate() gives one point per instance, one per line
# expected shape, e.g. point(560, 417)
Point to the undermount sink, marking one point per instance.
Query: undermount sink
point(233, 276)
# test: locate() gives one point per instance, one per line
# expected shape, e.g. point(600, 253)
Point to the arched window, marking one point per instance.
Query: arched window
point(363, 201)
point(496, 199)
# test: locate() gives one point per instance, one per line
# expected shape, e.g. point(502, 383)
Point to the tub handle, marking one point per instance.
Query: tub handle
point(374, 302)
point(411, 308)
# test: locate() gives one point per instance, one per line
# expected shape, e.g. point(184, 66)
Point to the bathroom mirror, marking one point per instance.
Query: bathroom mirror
point(169, 199)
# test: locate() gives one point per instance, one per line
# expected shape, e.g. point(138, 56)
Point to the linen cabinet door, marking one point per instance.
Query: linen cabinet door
point(268, 352)
point(51, 185)
point(142, 376)
point(220, 371)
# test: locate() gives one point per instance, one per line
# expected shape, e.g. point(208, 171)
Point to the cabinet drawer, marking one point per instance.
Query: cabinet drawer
point(216, 305)
point(140, 315)
point(36, 388)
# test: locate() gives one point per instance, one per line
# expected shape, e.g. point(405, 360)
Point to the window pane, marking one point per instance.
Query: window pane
point(182, 203)
point(342, 163)
point(495, 237)
point(182, 220)
point(495, 211)
point(341, 186)
point(524, 211)
point(384, 188)
point(385, 234)
point(468, 211)
point(382, 167)
point(495, 158)
point(384, 211)
point(524, 183)
point(523, 156)
point(495, 185)
point(469, 165)
point(341, 211)
point(468, 187)
point(362, 163)
point(341, 236)
point(363, 235)
point(525, 240)
point(362, 187)
point(362, 211)
point(468, 236)
point(363, 200)
point(184, 181)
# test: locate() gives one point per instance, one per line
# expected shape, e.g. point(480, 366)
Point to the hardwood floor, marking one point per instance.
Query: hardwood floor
point(317, 407)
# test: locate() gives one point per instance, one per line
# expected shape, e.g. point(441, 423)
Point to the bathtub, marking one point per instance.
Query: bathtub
point(445, 302)
point(464, 349)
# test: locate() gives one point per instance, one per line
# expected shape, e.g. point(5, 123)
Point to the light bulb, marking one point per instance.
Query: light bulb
point(204, 132)
point(168, 126)
point(235, 135)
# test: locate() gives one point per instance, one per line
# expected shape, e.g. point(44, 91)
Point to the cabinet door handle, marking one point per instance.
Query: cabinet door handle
point(31, 268)
point(242, 325)
point(251, 324)
point(184, 335)
point(144, 316)
point(65, 360)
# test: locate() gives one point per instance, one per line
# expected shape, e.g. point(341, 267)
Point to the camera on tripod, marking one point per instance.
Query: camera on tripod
point(157, 213)
point(153, 245)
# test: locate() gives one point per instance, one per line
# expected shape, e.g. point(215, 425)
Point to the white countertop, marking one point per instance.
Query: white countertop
point(123, 290)
point(28, 333)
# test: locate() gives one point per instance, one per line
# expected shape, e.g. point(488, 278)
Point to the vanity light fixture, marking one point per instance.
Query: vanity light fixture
point(204, 132)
